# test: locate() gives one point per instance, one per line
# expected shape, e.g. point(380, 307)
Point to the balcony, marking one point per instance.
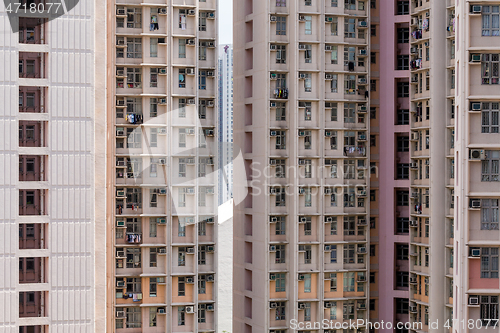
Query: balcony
point(31, 168)
point(31, 270)
point(31, 202)
point(31, 304)
point(31, 134)
point(31, 99)
point(31, 65)
point(30, 30)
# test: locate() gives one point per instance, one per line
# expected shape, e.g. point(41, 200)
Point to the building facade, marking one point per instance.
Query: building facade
point(53, 166)
point(162, 254)
point(225, 95)
point(301, 88)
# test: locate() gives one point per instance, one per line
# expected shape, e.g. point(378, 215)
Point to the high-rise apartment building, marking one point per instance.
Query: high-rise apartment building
point(52, 188)
point(301, 88)
point(162, 147)
point(477, 156)
point(225, 95)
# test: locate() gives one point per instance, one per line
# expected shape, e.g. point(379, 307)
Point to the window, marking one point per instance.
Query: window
point(402, 305)
point(281, 54)
point(280, 167)
point(153, 47)
point(403, 171)
point(153, 138)
point(280, 197)
point(402, 252)
point(403, 7)
point(182, 137)
point(489, 309)
point(181, 316)
point(181, 257)
point(280, 311)
point(489, 214)
point(349, 225)
point(134, 47)
point(182, 19)
point(373, 85)
point(307, 140)
point(334, 27)
point(349, 28)
point(349, 114)
point(403, 89)
point(134, 78)
point(403, 144)
point(333, 281)
point(134, 17)
point(402, 225)
point(280, 225)
point(280, 254)
point(349, 281)
point(489, 69)
point(153, 198)
point(152, 287)
point(403, 117)
point(134, 197)
point(333, 255)
point(403, 35)
point(334, 3)
point(349, 258)
point(280, 284)
point(402, 279)
point(489, 262)
point(202, 315)
point(152, 227)
point(181, 227)
point(202, 21)
point(403, 62)
point(402, 198)
point(333, 140)
point(202, 52)
point(308, 83)
point(373, 57)
point(490, 166)
point(372, 250)
point(280, 3)
point(373, 30)
point(334, 85)
point(373, 113)
point(134, 317)
point(181, 286)
point(280, 111)
point(133, 257)
point(202, 110)
point(280, 139)
point(333, 226)
point(308, 55)
point(202, 197)
point(202, 80)
point(202, 284)
point(350, 4)
point(182, 108)
point(490, 18)
point(308, 25)
point(489, 117)
point(153, 107)
point(307, 283)
point(182, 48)
point(202, 228)
point(333, 112)
point(350, 84)
point(281, 25)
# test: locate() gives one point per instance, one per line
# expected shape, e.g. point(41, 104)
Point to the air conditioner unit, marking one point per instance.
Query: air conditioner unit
point(210, 249)
point(190, 250)
point(273, 76)
point(190, 280)
point(475, 9)
point(427, 251)
point(362, 193)
point(301, 277)
point(162, 11)
point(161, 220)
point(191, 42)
point(414, 21)
point(476, 154)
point(413, 279)
point(413, 223)
point(328, 219)
point(211, 44)
point(190, 190)
point(302, 305)
point(302, 76)
point(302, 133)
point(361, 278)
point(362, 109)
point(414, 136)
point(120, 163)
point(361, 249)
point(120, 72)
point(210, 307)
point(120, 254)
point(209, 132)
point(302, 18)
point(328, 248)
point(272, 277)
point(211, 15)
point(302, 47)
point(473, 300)
point(162, 131)
point(120, 223)
point(302, 162)
point(413, 308)
point(273, 305)
point(121, 314)
point(362, 81)
point(302, 248)
point(272, 248)
point(120, 283)
point(162, 71)
point(475, 58)
point(475, 203)
point(362, 137)
point(475, 106)
point(272, 47)
point(161, 41)
point(362, 221)
point(413, 165)
point(362, 24)
point(328, 76)
point(362, 52)
point(328, 190)
point(273, 18)
point(190, 131)
point(210, 278)
point(414, 79)
point(273, 219)
point(190, 161)
point(189, 309)
point(210, 74)
point(191, 12)
point(328, 19)
point(120, 102)
point(361, 305)
point(162, 161)
point(120, 132)
point(120, 193)
point(210, 104)
point(162, 101)
point(272, 105)
point(120, 42)
point(190, 71)
point(302, 219)
point(120, 11)
point(475, 252)
point(162, 250)
point(162, 191)
point(328, 47)
point(414, 50)
point(328, 305)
